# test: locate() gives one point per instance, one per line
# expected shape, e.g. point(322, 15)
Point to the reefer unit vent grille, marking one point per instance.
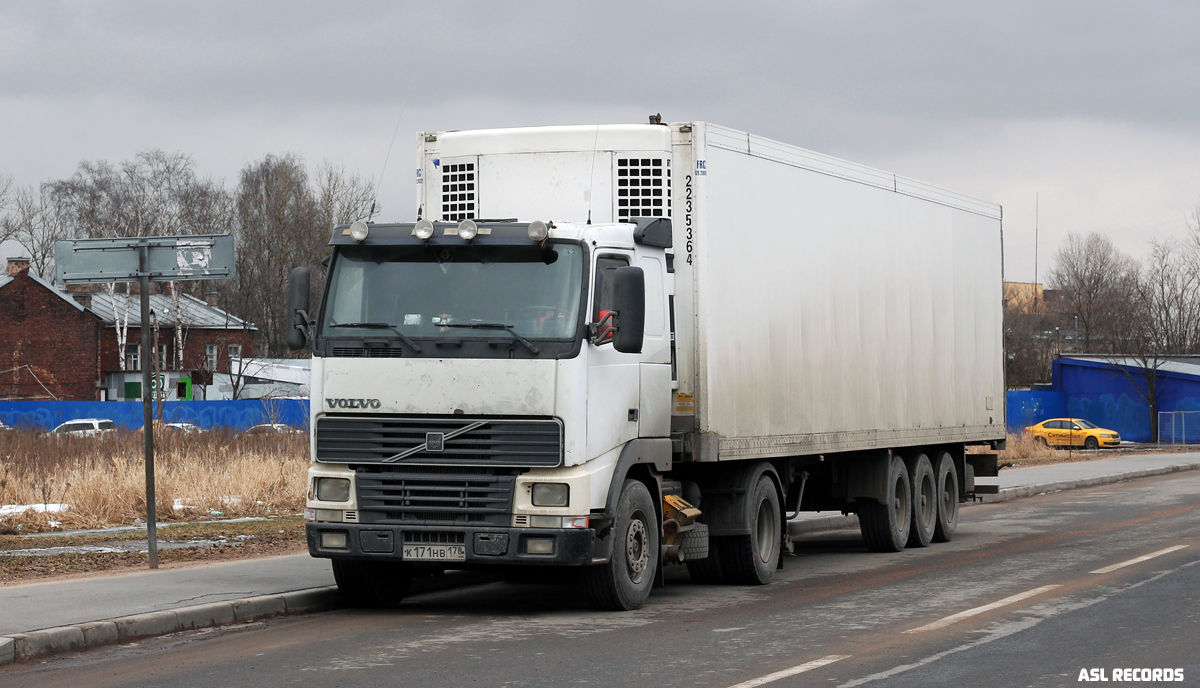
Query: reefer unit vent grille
point(643, 187)
point(458, 191)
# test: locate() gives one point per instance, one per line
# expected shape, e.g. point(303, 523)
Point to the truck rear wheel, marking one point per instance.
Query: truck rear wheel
point(925, 501)
point(947, 492)
point(624, 582)
point(371, 583)
point(752, 559)
point(885, 526)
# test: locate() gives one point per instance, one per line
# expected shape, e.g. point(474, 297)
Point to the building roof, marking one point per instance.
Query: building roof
point(194, 313)
point(1180, 365)
point(4, 280)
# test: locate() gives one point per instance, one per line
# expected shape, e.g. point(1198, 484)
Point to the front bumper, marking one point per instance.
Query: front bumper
point(378, 542)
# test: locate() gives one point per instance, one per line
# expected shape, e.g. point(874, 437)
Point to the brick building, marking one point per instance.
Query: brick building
point(64, 344)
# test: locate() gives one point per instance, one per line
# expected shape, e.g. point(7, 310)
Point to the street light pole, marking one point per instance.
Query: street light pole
point(147, 406)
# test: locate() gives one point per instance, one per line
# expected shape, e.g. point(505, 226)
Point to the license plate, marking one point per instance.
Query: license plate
point(435, 552)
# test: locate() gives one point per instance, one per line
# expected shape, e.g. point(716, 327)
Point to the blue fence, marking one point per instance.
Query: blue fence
point(236, 415)
point(1024, 408)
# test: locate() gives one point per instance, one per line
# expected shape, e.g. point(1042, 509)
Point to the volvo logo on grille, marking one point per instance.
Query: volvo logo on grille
point(435, 441)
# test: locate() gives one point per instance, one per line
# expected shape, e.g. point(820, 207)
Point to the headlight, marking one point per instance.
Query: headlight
point(358, 230)
point(467, 229)
point(551, 494)
point(538, 231)
point(423, 229)
point(333, 489)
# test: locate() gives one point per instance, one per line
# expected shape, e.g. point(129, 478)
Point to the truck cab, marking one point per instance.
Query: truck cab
point(474, 387)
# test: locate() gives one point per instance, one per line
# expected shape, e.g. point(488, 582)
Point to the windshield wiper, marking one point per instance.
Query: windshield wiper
point(497, 326)
point(382, 325)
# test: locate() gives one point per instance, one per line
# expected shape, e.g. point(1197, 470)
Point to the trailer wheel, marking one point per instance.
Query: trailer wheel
point(925, 501)
point(947, 491)
point(624, 582)
point(371, 583)
point(885, 526)
point(752, 559)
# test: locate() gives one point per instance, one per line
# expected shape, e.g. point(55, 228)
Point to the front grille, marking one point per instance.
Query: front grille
point(429, 537)
point(434, 496)
point(413, 441)
point(366, 352)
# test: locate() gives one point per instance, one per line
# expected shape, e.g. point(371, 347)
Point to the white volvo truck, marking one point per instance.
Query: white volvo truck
point(614, 348)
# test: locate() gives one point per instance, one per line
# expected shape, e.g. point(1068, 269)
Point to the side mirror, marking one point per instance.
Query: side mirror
point(629, 295)
point(297, 312)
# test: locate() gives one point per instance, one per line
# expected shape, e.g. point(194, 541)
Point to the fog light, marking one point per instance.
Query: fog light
point(423, 230)
point(333, 489)
point(544, 521)
point(538, 231)
point(575, 522)
point(551, 494)
point(358, 230)
point(467, 229)
point(539, 546)
point(333, 540)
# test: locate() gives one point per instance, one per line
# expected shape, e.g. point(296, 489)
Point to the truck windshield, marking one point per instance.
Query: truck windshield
point(435, 291)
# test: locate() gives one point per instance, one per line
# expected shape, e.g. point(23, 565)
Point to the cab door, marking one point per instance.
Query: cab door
point(614, 384)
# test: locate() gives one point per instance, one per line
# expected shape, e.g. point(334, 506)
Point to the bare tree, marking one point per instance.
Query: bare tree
point(7, 227)
point(36, 223)
point(1094, 279)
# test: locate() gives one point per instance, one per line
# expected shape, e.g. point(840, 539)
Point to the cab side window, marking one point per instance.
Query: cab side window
point(606, 268)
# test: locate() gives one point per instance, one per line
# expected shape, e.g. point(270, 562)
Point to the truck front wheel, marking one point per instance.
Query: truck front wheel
point(885, 526)
point(371, 583)
point(624, 582)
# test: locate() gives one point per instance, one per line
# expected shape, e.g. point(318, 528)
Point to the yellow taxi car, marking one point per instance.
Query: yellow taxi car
point(1073, 432)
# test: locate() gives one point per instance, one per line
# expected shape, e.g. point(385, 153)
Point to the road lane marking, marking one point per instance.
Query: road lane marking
point(955, 618)
point(798, 669)
point(1138, 560)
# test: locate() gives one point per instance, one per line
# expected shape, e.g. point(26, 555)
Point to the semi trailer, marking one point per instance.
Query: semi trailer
point(616, 348)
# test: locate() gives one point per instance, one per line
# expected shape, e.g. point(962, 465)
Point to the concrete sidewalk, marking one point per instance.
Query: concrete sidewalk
point(71, 603)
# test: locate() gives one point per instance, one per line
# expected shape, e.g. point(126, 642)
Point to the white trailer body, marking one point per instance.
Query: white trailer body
point(821, 305)
point(702, 317)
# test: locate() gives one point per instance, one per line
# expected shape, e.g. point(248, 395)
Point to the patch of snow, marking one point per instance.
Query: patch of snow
point(15, 509)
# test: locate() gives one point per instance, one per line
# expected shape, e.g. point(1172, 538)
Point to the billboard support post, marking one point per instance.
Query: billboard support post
point(142, 260)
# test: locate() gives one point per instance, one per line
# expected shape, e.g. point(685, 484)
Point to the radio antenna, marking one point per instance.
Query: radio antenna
point(379, 180)
point(592, 173)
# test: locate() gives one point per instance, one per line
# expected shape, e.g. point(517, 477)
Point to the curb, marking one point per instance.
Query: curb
point(1012, 493)
point(23, 647)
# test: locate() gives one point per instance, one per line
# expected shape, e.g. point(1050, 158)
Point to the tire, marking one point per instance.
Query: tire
point(708, 571)
point(885, 526)
point(1042, 441)
point(624, 582)
point(371, 584)
point(694, 543)
point(752, 559)
point(1091, 443)
point(946, 474)
point(924, 501)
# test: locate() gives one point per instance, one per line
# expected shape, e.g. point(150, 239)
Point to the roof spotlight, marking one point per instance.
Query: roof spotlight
point(358, 230)
point(467, 229)
point(538, 231)
point(423, 230)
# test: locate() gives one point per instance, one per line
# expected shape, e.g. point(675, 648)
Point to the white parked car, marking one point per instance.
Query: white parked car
point(185, 428)
point(86, 427)
point(273, 428)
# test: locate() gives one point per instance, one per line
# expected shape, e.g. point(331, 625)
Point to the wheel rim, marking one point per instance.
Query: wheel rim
point(900, 504)
point(949, 497)
point(637, 547)
point(927, 500)
point(765, 531)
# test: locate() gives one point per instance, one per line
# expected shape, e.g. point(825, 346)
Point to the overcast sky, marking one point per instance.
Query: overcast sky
point(1093, 105)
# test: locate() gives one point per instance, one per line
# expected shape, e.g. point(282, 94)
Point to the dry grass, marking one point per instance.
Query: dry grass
point(103, 479)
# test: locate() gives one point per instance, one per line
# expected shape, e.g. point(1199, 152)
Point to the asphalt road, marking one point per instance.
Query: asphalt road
point(1026, 595)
